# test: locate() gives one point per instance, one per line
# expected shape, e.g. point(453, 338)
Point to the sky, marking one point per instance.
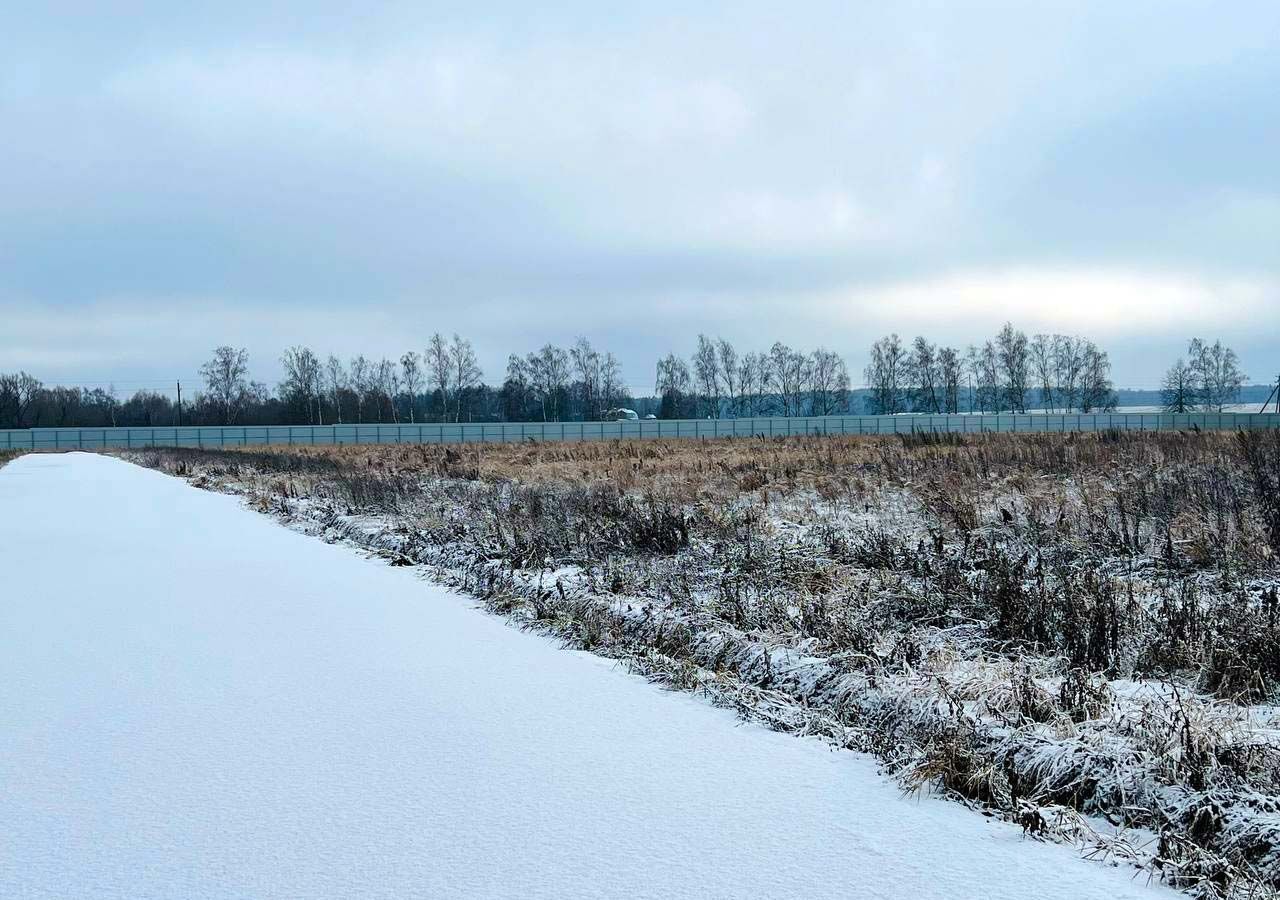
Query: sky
point(355, 177)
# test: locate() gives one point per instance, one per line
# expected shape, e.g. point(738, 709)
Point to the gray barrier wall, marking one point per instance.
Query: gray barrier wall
point(513, 432)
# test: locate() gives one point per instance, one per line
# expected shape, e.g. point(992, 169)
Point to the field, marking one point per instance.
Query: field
point(1075, 632)
point(209, 705)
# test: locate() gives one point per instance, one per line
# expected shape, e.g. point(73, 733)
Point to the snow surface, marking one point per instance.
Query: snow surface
point(196, 702)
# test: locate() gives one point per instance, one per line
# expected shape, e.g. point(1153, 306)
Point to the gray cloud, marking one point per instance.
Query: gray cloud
point(356, 179)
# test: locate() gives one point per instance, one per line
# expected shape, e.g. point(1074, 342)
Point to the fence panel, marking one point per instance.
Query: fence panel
point(516, 432)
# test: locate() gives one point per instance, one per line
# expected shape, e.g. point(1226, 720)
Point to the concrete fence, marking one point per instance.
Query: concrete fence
point(515, 432)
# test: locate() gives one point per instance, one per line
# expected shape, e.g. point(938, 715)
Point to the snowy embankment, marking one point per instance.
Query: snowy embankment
point(200, 703)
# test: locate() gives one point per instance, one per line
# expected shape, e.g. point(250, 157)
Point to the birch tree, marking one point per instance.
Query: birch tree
point(464, 370)
point(586, 366)
point(672, 385)
point(886, 376)
point(922, 366)
point(335, 383)
point(1069, 362)
point(749, 385)
point(984, 366)
point(360, 382)
point(612, 390)
point(706, 371)
point(548, 371)
point(1044, 369)
point(1015, 366)
point(386, 380)
point(411, 378)
point(1096, 393)
point(790, 371)
point(1216, 370)
point(951, 371)
point(828, 383)
point(439, 366)
point(302, 382)
point(728, 357)
point(226, 379)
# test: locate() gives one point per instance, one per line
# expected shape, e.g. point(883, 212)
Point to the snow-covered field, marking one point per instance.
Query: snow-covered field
point(200, 703)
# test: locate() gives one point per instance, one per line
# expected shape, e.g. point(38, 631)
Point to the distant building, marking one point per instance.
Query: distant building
point(621, 415)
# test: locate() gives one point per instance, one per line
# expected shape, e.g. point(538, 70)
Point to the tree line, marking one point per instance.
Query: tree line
point(1008, 373)
point(718, 382)
point(444, 382)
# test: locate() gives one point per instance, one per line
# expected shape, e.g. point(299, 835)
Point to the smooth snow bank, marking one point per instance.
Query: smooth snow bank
point(196, 702)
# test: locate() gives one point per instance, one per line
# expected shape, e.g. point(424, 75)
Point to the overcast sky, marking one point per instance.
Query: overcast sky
point(357, 176)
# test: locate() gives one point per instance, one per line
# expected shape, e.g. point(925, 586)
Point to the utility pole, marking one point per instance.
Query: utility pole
point(179, 403)
point(1275, 392)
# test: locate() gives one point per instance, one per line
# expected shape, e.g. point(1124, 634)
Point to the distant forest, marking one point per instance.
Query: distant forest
point(444, 383)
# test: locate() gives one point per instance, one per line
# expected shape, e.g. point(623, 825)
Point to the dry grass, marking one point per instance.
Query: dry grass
point(1048, 625)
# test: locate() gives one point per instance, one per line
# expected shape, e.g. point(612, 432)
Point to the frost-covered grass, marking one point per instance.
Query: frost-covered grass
point(207, 706)
point(1078, 632)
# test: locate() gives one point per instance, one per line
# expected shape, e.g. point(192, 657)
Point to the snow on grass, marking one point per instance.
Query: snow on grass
point(198, 703)
point(803, 589)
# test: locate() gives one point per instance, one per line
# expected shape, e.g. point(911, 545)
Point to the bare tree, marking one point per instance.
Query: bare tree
point(1068, 364)
point(411, 378)
point(17, 393)
point(1178, 391)
point(586, 366)
point(1015, 366)
point(302, 382)
point(516, 389)
point(1217, 374)
point(259, 394)
point(465, 370)
point(612, 390)
point(828, 383)
point(924, 377)
point(886, 376)
point(549, 377)
point(64, 401)
point(672, 385)
point(439, 365)
point(335, 384)
point(226, 379)
point(764, 379)
point(1044, 369)
point(8, 397)
point(984, 366)
point(790, 371)
point(729, 374)
point(1096, 392)
point(951, 371)
point(706, 370)
point(361, 382)
point(386, 385)
point(749, 385)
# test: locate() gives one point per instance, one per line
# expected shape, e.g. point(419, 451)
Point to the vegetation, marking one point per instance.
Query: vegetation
point(1211, 379)
point(1063, 373)
point(445, 383)
point(1067, 630)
